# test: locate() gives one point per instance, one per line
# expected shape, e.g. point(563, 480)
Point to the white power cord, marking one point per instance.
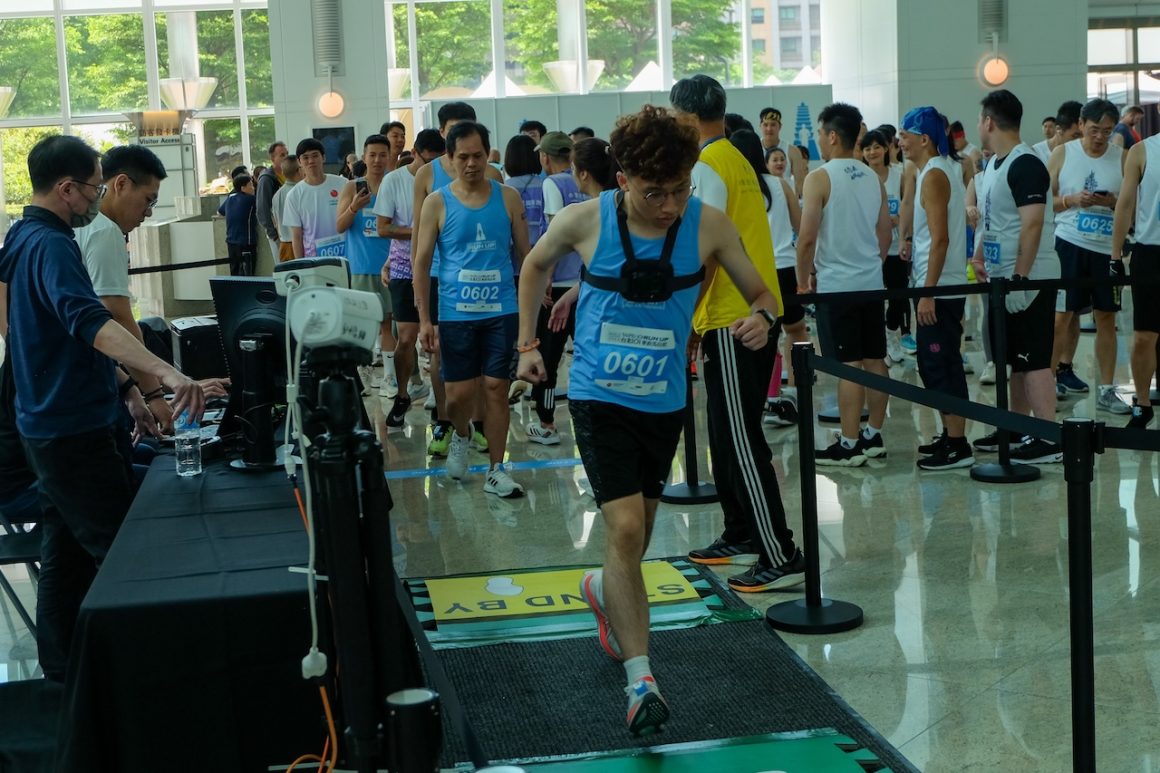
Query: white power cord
point(314, 664)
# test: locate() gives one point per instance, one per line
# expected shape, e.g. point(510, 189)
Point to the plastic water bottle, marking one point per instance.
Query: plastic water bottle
point(187, 445)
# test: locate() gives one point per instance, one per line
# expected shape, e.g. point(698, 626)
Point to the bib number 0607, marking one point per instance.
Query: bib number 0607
point(633, 364)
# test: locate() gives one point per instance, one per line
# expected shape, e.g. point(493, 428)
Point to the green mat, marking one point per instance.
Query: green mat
point(545, 604)
point(809, 751)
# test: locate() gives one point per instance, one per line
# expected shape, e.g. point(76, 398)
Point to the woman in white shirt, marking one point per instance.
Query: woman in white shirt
point(875, 149)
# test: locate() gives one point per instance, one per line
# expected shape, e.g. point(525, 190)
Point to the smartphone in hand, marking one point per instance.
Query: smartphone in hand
point(360, 187)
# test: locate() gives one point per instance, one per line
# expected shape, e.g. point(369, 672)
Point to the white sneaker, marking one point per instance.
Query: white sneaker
point(429, 404)
point(498, 482)
point(968, 368)
point(1110, 401)
point(988, 376)
point(457, 456)
point(366, 376)
point(516, 390)
point(545, 436)
point(418, 391)
point(389, 388)
point(894, 351)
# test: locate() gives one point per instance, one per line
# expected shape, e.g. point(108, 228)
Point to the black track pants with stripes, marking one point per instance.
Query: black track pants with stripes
point(736, 382)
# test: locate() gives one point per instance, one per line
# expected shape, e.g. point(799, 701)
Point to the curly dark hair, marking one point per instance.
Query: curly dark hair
point(655, 146)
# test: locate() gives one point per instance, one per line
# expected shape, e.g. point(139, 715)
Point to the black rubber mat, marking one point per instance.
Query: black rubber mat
point(722, 681)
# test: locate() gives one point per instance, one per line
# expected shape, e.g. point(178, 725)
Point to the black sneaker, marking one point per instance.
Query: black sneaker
point(780, 413)
point(838, 455)
point(765, 578)
point(987, 443)
point(398, 412)
point(872, 447)
point(953, 454)
point(722, 552)
point(932, 448)
point(1141, 416)
point(1036, 451)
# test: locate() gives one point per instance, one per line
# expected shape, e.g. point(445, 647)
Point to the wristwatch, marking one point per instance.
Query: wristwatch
point(767, 315)
point(1017, 278)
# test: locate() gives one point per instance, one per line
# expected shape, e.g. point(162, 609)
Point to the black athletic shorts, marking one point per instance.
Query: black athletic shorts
point(403, 301)
point(793, 312)
point(1080, 263)
point(850, 332)
point(1145, 267)
point(1030, 334)
point(940, 357)
point(625, 452)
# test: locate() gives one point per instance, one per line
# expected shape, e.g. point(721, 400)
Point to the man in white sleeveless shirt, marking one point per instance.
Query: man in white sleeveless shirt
point(1085, 180)
point(940, 221)
point(1013, 201)
point(1140, 202)
point(842, 241)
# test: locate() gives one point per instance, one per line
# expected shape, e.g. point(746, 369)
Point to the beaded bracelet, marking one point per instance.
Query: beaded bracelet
point(528, 346)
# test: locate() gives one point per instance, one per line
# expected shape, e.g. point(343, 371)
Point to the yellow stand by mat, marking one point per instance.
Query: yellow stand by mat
point(539, 594)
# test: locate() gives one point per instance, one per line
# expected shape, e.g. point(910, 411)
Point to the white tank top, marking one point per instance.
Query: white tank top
point(954, 269)
point(780, 227)
point(1091, 227)
point(893, 187)
point(847, 256)
point(1001, 224)
point(1148, 195)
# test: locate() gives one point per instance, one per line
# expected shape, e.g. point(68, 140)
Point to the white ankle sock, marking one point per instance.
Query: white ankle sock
point(870, 432)
point(637, 668)
point(849, 442)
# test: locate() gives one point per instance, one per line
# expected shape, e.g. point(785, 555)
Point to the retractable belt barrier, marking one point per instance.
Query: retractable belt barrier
point(1080, 438)
point(178, 266)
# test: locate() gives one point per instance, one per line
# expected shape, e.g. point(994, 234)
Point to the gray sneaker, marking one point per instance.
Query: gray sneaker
point(1111, 402)
point(457, 455)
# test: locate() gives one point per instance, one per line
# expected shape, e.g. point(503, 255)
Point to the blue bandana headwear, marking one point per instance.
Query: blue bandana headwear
point(926, 120)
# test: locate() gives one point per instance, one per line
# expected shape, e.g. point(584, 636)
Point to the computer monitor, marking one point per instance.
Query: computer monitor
point(252, 325)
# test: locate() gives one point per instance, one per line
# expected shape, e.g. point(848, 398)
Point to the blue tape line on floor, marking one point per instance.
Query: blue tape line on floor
point(424, 472)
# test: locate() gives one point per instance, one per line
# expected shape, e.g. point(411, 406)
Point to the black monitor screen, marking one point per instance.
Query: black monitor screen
point(250, 307)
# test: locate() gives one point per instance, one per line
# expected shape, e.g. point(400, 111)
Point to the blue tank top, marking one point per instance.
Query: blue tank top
point(439, 179)
point(568, 269)
point(475, 275)
point(633, 354)
point(366, 251)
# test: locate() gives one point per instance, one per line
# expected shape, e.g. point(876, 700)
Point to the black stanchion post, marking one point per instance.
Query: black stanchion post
point(813, 614)
point(1082, 440)
point(1004, 471)
point(693, 491)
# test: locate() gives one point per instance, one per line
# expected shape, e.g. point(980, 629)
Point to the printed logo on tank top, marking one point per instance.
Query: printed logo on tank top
point(853, 172)
point(481, 243)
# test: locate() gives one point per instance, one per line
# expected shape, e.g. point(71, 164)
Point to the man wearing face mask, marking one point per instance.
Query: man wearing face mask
point(62, 343)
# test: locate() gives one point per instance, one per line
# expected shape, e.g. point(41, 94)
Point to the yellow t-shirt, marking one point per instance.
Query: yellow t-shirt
point(722, 304)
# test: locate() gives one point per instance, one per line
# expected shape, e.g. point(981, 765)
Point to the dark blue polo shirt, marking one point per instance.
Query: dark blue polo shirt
point(63, 385)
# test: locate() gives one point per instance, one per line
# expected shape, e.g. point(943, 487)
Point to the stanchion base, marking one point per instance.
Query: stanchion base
point(1011, 473)
point(830, 616)
point(830, 415)
point(701, 493)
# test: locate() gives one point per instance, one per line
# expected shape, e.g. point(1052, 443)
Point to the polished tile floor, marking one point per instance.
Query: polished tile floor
point(962, 662)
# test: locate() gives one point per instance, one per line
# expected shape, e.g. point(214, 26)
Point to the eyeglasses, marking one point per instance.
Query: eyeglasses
point(101, 189)
point(656, 199)
point(150, 202)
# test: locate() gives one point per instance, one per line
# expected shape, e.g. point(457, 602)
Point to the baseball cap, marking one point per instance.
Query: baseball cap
point(926, 120)
point(555, 144)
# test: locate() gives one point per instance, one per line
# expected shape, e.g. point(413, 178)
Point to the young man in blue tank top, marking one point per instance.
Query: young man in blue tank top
point(431, 178)
point(366, 251)
point(627, 394)
point(476, 223)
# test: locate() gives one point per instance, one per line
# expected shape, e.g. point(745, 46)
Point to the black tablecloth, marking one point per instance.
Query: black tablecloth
point(189, 645)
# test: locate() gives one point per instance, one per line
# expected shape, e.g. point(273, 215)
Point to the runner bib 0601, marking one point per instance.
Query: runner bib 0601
point(635, 360)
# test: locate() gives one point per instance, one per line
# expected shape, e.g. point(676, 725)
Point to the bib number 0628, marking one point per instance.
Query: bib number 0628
point(632, 364)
